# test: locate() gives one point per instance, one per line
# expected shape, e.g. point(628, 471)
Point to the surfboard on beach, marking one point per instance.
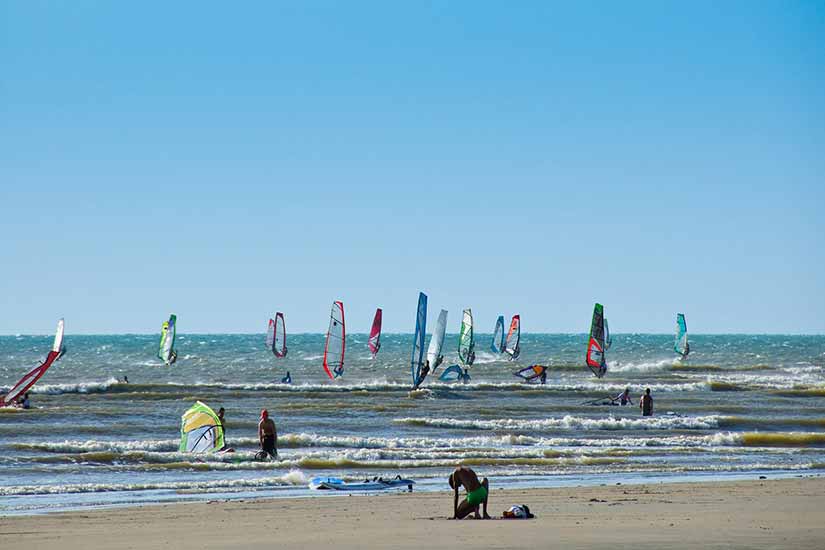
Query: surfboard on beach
point(375, 484)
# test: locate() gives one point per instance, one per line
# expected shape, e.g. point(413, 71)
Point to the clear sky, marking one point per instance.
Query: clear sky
point(224, 161)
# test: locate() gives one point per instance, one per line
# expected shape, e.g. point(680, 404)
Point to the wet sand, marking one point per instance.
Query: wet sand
point(785, 513)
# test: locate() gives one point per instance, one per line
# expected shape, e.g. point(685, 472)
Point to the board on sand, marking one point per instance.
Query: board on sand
point(375, 484)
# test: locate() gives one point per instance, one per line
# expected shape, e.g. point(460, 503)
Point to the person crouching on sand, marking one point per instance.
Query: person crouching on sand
point(477, 492)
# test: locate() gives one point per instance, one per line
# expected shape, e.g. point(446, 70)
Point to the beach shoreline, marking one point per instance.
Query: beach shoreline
point(757, 513)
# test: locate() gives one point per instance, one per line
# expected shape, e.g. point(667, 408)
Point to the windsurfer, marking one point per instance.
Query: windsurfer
point(477, 492)
point(543, 377)
point(425, 370)
point(268, 435)
point(286, 379)
point(25, 403)
point(623, 398)
point(438, 361)
point(465, 376)
point(646, 403)
point(687, 350)
point(173, 356)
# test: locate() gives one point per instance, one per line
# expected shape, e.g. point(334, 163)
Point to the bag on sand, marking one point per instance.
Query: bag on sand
point(519, 511)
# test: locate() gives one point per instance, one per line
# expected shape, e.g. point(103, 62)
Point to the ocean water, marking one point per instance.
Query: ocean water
point(739, 406)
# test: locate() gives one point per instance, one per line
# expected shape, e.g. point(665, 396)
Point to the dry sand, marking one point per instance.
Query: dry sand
point(786, 513)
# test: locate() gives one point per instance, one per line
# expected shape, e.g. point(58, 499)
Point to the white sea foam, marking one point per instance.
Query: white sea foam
point(571, 423)
point(291, 478)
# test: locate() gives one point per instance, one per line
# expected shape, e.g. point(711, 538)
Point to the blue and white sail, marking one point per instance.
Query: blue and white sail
point(497, 346)
point(417, 359)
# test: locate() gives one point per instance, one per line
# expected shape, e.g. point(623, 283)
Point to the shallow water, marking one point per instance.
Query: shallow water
point(739, 405)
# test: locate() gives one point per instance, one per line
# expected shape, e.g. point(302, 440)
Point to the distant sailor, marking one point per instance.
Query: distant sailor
point(425, 370)
point(646, 403)
point(623, 398)
point(286, 379)
point(267, 435)
point(687, 350)
point(477, 492)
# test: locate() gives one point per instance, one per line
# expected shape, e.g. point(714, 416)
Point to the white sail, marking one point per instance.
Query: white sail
point(437, 341)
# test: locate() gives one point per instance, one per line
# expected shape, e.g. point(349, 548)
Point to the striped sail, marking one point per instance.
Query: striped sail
point(336, 342)
point(166, 349)
point(595, 357)
point(466, 344)
point(511, 346)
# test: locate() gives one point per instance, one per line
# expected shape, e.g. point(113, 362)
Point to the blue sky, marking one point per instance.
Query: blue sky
point(224, 162)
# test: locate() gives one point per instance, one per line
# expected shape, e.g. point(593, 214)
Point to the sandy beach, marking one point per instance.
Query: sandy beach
point(786, 513)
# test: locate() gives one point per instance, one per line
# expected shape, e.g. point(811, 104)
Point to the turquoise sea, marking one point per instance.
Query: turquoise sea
point(740, 405)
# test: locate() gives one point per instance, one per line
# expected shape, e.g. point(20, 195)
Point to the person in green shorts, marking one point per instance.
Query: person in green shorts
point(477, 492)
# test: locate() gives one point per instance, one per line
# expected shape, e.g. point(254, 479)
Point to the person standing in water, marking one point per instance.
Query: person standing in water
point(477, 492)
point(286, 379)
point(646, 403)
point(268, 435)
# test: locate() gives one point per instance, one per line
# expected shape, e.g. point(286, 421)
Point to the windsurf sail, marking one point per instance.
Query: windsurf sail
point(608, 340)
point(437, 342)
point(374, 342)
point(30, 378)
point(201, 430)
point(498, 336)
point(279, 342)
point(681, 345)
point(595, 346)
point(166, 350)
point(533, 373)
point(270, 335)
point(336, 342)
point(466, 344)
point(417, 359)
point(451, 374)
point(511, 347)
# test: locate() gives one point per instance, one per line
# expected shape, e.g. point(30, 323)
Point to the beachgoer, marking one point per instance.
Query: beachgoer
point(268, 435)
point(425, 370)
point(286, 379)
point(477, 492)
point(623, 398)
point(646, 403)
